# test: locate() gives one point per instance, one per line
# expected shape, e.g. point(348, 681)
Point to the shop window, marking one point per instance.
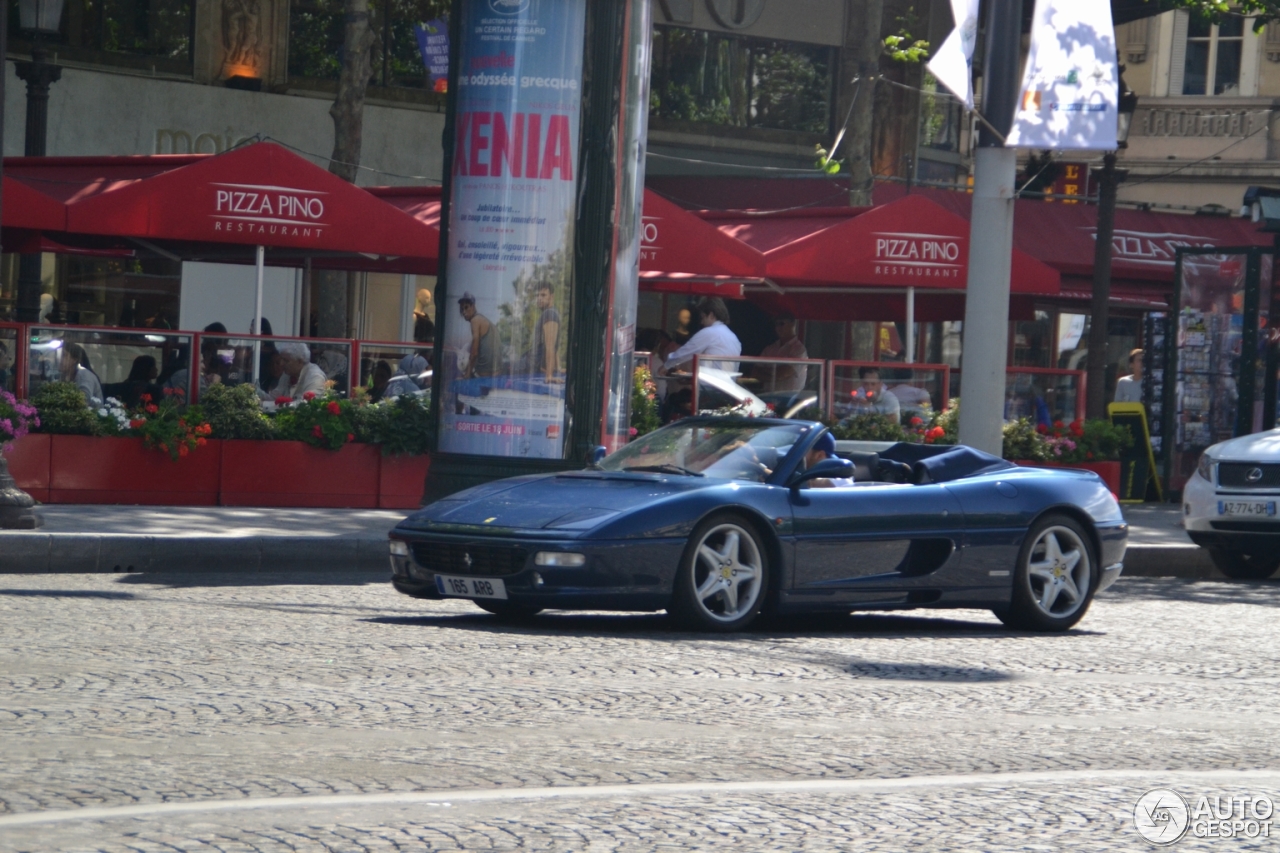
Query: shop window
point(144, 34)
point(824, 340)
point(316, 32)
point(1030, 341)
point(701, 76)
point(1213, 57)
point(941, 118)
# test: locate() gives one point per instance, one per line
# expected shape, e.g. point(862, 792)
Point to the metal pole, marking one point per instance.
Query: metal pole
point(911, 325)
point(986, 310)
point(39, 75)
point(1100, 305)
point(257, 315)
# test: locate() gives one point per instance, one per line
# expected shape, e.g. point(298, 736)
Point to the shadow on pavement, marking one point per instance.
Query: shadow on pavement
point(1263, 593)
point(296, 577)
point(68, 593)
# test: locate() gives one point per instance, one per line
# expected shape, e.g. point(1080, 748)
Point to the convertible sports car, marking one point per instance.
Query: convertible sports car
point(718, 520)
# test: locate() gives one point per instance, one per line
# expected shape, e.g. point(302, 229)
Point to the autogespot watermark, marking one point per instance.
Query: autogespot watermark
point(1164, 817)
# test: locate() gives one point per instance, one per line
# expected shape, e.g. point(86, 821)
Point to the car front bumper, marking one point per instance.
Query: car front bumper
point(1207, 528)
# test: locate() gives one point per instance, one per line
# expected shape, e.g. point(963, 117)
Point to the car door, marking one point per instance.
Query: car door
point(858, 537)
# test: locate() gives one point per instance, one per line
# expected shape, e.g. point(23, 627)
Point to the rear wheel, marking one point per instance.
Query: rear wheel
point(507, 610)
point(1055, 577)
point(723, 577)
point(1243, 567)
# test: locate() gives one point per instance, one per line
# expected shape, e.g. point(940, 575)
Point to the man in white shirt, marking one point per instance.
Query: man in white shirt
point(714, 338)
point(1129, 388)
point(300, 375)
point(783, 377)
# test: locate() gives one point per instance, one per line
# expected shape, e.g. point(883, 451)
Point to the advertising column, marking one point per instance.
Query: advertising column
point(512, 209)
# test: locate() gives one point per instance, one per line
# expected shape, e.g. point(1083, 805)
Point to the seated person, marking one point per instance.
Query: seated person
point(873, 398)
point(300, 375)
point(379, 381)
point(74, 370)
point(825, 448)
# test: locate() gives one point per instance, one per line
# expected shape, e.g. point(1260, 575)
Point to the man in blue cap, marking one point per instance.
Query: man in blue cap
point(825, 448)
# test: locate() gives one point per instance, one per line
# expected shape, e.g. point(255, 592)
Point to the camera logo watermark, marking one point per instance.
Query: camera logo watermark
point(1164, 817)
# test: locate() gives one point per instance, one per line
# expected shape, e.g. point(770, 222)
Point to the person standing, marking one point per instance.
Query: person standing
point(546, 339)
point(1129, 388)
point(484, 353)
point(784, 377)
point(714, 338)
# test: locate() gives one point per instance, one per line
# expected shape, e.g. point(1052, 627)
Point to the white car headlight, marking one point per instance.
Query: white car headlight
point(399, 548)
point(1205, 468)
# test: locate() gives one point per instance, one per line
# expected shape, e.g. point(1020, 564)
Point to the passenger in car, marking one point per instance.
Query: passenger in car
point(825, 448)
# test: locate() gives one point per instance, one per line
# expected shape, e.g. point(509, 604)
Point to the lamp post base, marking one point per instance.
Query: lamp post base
point(17, 508)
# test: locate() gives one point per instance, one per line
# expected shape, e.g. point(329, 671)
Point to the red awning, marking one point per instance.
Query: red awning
point(912, 242)
point(260, 194)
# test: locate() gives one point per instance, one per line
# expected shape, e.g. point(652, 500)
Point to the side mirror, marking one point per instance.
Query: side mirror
point(831, 469)
point(595, 454)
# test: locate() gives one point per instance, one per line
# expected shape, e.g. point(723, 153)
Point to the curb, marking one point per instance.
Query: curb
point(88, 553)
point(1169, 561)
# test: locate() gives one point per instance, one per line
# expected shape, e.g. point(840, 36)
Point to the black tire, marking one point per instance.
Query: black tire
point(507, 610)
point(1243, 567)
point(723, 581)
point(1047, 573)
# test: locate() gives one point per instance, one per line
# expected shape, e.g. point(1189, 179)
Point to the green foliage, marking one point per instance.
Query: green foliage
point(1023, 443)
point(903, 48)
point(401, 425)
point(870, 427)
point(321, 422)
point(64, 410)
point(824, 162)
point(1214, 10)
point(169, 426)
point(644, 403)
point(233, 411)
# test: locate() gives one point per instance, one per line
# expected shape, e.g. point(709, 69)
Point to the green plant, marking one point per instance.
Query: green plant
point(233, 411)
point(319, 421)
point(1086, 441)
point(400, 425)
point(644, 403)
point(64, 410)
point(169, 426)
point(871, 427)
point(1022, 441)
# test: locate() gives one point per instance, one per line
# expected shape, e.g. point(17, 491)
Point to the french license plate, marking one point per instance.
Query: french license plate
point(457, 587)
point(1247, 509)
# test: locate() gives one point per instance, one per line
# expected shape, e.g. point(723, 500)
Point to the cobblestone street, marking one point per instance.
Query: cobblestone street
point(237, 715)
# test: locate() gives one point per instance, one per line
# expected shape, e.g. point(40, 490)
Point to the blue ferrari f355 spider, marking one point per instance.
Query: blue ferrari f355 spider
point(718, 520)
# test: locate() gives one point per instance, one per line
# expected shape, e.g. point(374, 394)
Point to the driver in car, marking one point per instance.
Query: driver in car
point(825, 448)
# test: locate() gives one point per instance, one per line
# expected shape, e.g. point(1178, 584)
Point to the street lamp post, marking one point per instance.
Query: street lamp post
point(1109, 180)
point(41, 18)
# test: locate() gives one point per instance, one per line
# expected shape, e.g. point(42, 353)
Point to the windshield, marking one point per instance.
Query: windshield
point(729, 451)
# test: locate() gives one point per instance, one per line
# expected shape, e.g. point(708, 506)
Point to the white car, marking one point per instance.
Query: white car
point(1230, 505)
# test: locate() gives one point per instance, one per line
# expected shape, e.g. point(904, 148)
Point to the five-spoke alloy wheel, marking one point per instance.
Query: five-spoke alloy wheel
point(724, 576)
point(1056, 575)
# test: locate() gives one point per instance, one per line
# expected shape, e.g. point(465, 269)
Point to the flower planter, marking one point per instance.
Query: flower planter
point(1108, 471)
point(29, 464)
point(88, 470)
point(291, 473)
point(401, 480)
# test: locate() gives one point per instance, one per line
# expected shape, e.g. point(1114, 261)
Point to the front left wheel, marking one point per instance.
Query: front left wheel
point(1244, 567)
point(723, 577)
point(1056, 575)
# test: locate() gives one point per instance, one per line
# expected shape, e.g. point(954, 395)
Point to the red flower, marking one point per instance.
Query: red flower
point(334, 408)
point(351, 436)
point(1042, 429)
point(769, 406)
point(163, 447)
point(317, 432)
point(150, 408)
point(916, 421)
point(136, 423)
point(146, 398)
point(168, 392)
point(1089, 455)
point(1057, 424)
point(283, 401)
point(936, 433)
point(201, 442)
point(309, 396)
point(182, 450)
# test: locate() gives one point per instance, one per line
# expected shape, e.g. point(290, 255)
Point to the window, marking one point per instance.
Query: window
point(701, 76)
point(145, 34)
point(1214, 53)
point(316, 32)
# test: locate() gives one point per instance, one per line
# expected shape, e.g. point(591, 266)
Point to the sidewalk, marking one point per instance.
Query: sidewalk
point(198, 539)
point(206, 539)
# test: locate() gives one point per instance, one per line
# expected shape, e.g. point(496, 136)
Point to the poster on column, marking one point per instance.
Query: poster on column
point(512, 209)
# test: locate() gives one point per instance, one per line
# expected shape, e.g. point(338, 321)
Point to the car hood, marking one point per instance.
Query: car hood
point(570, 502)
point(1259, 447)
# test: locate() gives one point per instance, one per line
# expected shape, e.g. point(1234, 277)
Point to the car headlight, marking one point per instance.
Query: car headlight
point(1205, 468)
point(559, 558)
point(399, 548)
